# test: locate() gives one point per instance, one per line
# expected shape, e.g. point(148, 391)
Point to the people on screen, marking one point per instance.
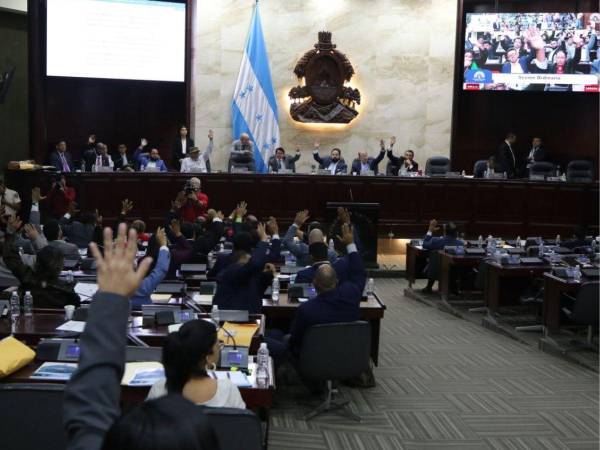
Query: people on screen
point(334, 163)
point(280, 161)
point(242, 154)
point(196, 161)
point(153, 163)
point(61, 159)
point(181, 147)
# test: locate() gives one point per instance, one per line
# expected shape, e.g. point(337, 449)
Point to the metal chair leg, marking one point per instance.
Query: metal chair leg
point(329, 406)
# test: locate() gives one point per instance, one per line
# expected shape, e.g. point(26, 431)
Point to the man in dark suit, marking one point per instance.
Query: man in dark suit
point(181, 147)
point(319, 254)
point(89, 156)
point(61, 158)
point(404, 164)
point(122, 161)
point(450, 238)
point(334, 302)
point(506, 158)
point(365, 162)
point(282, 161)
point(537, 152)
point(333, 163)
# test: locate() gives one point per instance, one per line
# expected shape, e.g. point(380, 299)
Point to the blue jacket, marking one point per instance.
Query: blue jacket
point(241, 286)
point(308, 275)
point(438, 243)
point(300, 250)
point(524, 62)
point(160, 164)
point(142, 295)
point(372, 162)
point(337, 305)
point(224, 259)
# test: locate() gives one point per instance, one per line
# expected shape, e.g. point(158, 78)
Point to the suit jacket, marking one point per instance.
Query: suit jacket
point(398, 162)
point(78, 233)
point(69, 251)
point(438, 243)
point(373, 163)
point(57, 162)
point(341, 304)
point(241, 286)
point(539, 155)
point(308, 275)
point(160, 164)
point(89, 158)
point(119, 162)
point(300, 249)
point(524, 62)
point(177, 152)
point(326, 161)
point(290, 162)
point(506, 161)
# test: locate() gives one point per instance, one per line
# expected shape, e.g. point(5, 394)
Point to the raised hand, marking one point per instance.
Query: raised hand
point(116, 273)
point(262, 233)
point(31, 232)
point(242, 209)
point(161, 236)
point(301, 217)
point(433, 225)
point(343, 215)
point(347, 236)
point(36, 195)
point(211, 135)
point(175, 227)
point(382, 144)
point(392, 140)
point(317, 145)
point(126, 206)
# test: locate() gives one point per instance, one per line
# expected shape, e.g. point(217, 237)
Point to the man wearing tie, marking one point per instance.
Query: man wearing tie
point(103, 159)
point(61, 159)
point(122, 161)
point(281, 161)
point(333, 163)
point(506, 159)
point(537, 152)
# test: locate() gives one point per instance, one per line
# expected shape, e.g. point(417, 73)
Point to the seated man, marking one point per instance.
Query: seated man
point(537, 152)
point(488, 170)
point(153, 163)
point(281, 161)
point(333, 163)
point(364, 162)
point(103, 159)
point(242, 153)
point(54, 234)
point(450, 238)
point(319, 255)
point(123, 162)
point(198, 162)
point(61, 158)
point(80, 231)
point(301, 250)
point(403, 164)
point(578, 239)
point(333, 303)
point(60, 197)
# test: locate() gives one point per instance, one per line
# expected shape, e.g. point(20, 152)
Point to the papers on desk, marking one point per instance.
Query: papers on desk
point(174, 327)
point(86, 290)
point(142, 373)
point(54, 371)
point(160, 298)
point(202, 299)
point(238, 378)
point(241, 332)
point(73, 326)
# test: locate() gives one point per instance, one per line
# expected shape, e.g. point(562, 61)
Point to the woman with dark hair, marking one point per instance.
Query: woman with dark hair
point(181, 147)
point(161, 258)
point(188, 355)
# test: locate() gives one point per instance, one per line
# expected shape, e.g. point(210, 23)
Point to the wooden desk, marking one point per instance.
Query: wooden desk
point(280, 315)
point(496, 292)
point(416, 260)
point(554, 288)
point(448, 262)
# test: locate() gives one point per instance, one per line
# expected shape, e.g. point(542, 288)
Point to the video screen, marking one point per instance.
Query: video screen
point(550, 52)
point(116, 39)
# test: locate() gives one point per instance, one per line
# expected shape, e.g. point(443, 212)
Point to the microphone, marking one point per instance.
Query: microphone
point(351, 196)
point(229, 335)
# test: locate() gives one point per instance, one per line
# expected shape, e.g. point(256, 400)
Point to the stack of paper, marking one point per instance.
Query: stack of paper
point(238, 378)
point(142, 373)
point(58, 371)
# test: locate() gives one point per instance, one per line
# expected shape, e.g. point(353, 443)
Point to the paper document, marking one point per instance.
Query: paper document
point(160, 298)
point(174, 327)
point(55, 371)
point(86, 289)
point(142, 373)
point(238, 378)
point(72, 325)
point(203, 299)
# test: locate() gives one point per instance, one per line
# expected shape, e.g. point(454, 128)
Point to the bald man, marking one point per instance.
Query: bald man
point(301, 250)
point(364, 162)
point(319, 255)
point(242, 153)
point(335, 302)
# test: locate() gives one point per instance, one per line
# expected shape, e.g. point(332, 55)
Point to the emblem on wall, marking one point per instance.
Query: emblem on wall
point(324, 98)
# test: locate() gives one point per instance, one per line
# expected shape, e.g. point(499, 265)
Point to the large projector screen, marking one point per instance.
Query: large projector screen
point(116, 39)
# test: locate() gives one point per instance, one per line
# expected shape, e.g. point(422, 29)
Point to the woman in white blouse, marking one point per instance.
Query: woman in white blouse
point(189, 355)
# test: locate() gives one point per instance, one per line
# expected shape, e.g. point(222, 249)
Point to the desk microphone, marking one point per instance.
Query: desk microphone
point(351, 196)
point(230, 335)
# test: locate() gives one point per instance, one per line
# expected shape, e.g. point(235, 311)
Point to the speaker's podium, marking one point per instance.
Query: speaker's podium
point(365, 218)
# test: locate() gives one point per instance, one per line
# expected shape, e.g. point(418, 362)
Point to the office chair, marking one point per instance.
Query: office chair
point(585, 311)
point(391, 170)
point(437, 165)
point(479, 168)
point(580, 171)
point(332, 352)
point(31, 416)
point(543, 169)
point(235, 428)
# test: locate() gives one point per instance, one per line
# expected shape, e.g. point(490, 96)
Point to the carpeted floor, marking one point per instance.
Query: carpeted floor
point(446, 383)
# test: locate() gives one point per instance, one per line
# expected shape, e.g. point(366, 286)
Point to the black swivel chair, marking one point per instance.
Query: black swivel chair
point(579, 171)
point(235, 428)
point(31, 416)
point(332, 352)
point(542, 169)
point(437, 166)
point(585, 310)
point(479, 168)
point(391, 170)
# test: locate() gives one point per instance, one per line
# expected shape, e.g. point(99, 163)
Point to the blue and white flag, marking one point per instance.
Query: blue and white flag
point(254, 107)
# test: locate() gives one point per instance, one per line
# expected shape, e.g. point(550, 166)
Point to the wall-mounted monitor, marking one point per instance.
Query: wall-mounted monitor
point(547, 52)
point(116, 39)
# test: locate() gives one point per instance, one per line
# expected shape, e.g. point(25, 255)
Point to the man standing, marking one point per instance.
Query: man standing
point(196, 201)
point(506, 159)
point(60, 196)
point(181, 147)
point(242, 153)
point(364, 162)
point(61, 159)
point(333, 163)
point(153, 163)
point(281, 161)
point(197, 162)
point(537, 152)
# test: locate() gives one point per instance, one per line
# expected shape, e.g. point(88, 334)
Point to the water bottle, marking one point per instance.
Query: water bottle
point(21, 252)
point(463, 173)
point(518, 243)
point(210, 259)
point(541, 248)
point(70, 276)
point(331, 245)
point(577, 273)
point(28, 304)
point(480, 241)
point(82, 165)
point(275, 290)
point(370, 287)
point(221, 247)
point(557, 241)
point(262, 366)
point(15, 306)
point(215, 316)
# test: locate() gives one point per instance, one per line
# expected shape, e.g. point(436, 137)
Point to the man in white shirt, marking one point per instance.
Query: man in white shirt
point(196, 162)
point(103, 159)
point(9, 199)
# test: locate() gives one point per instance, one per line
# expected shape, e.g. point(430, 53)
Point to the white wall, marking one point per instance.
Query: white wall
point(14, 5)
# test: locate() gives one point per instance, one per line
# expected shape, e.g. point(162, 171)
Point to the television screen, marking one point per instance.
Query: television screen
point(550, 52)
point(117, 39)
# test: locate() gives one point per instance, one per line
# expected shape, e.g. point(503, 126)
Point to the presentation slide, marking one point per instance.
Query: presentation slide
point(549, 52)
point(116, 39)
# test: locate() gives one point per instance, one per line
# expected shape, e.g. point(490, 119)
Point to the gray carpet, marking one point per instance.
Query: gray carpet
point(446, 383)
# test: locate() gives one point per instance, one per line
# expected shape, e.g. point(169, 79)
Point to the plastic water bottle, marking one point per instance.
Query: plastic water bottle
point(215, 315)
point(221, 247)
point(21, 252)
point(518, 243)
point(541, 248)
point(557, 241)
point(480, 241)
point(275, 290)
point(70, 276)
point(577, 273)
point(262, 366)
point(15, 306)
point(210, 260)
point(28, 304)
point(370, 287)
point(331, 245)
point(82, 165)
